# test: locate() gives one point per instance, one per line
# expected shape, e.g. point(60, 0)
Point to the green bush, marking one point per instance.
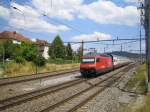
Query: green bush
point(20, 60)
point(59, 61)
point(39, 61)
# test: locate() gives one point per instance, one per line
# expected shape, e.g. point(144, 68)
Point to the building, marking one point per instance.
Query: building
point(43, 47)
point(14, 36)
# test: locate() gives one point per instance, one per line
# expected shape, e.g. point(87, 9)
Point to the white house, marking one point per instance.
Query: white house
point(43, 47)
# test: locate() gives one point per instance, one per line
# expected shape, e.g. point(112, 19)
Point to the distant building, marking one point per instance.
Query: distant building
point(43, 47)
point(14, 36)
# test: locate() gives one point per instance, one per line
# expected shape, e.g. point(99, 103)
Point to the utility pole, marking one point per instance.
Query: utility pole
point(140, 46)
point(82, 47)
point(104, 49)
point(147, 34)
point(141, 23)
point(121, 47)
point(3, 55)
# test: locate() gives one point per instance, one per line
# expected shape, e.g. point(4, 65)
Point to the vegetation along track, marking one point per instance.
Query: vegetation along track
point(75, 101)
point(20, 79)
point(38, 93)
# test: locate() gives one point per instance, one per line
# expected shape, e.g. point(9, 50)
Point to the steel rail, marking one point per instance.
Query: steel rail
point(14, 80)
point(95, 94)
point(15, 100)
point(79, 93)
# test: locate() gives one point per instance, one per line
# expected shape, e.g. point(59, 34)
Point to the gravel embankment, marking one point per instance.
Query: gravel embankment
point(43, 102)
point(112, 99)
point(24, 87)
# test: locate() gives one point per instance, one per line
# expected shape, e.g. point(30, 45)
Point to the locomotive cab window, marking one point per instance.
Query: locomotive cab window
point(88, 60)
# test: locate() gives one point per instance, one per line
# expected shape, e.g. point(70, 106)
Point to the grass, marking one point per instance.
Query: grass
point(12, 69)
point(138, 81)
point(146, 106)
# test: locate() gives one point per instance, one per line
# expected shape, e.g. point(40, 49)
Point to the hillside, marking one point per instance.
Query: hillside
point(127, 54)
point(119, 53)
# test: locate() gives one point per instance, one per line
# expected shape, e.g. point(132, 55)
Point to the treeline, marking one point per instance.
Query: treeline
point(20, 53)
point(28, 51)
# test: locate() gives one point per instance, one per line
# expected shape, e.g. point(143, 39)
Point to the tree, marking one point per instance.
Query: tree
point(69, 52)
point(11, 50)
point(57, 48)
point(79, 52)
point(1, 51)
point(39, 60)
point(8, 49)
point(30, 51)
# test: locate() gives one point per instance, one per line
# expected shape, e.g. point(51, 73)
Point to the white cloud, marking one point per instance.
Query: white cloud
point(103, 12)
point(26, 10)
point(106, 12)
point(92, 37)
point(27, 18)
point(35, 24)
point(75, 47)
point(89, 37)
point(62, 9)
point(4, 12)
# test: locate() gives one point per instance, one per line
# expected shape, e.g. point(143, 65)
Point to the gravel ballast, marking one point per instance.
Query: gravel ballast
point(112, 99)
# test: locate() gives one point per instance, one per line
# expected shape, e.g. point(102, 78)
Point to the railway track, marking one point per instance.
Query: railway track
point(12, 101)
point(77, 100)
point(25, 78)
point(20, 79)
point(16, 100)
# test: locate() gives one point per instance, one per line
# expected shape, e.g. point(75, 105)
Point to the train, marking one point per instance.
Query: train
point(98, 64)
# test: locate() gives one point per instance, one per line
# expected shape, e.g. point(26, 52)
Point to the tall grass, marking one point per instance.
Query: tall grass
point(146, 105)
point(138, 81)
point(13, 69)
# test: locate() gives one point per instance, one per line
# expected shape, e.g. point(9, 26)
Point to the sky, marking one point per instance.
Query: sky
point(74, 20)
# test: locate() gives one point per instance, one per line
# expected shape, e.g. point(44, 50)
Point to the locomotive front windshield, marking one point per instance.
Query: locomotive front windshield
point(88, 60)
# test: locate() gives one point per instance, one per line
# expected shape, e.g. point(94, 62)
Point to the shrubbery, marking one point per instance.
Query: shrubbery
point(39, 61)
point(20, 60)
point(28, 51)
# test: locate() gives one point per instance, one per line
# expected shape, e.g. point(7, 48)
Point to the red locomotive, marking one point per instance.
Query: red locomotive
point(92, 65)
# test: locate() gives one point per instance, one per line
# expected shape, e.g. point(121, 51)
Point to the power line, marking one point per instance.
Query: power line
point(112, 40)
point(77, 30)
point(116, 44)
point(60, 22)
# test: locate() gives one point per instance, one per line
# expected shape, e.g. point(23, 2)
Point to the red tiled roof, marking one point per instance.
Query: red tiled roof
point(13, 36)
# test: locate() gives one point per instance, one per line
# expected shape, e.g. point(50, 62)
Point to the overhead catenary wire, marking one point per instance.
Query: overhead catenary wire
point(70, 26)
point(116, 44)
